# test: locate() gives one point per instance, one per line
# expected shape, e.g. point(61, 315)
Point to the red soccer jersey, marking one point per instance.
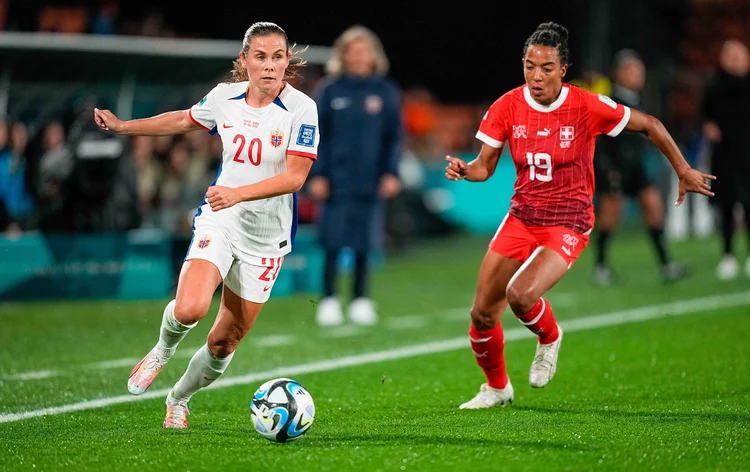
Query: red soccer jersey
point(553, 149)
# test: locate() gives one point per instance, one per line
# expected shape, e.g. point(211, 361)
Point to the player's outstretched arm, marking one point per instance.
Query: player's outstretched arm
point(478, 170)
point(298, 167)
point(166, 124)
point(691, 180)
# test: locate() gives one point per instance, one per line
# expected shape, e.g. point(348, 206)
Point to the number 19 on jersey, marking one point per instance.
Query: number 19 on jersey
point(540, 166)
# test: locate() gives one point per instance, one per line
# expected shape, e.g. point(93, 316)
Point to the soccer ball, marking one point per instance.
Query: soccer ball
point(282, 410)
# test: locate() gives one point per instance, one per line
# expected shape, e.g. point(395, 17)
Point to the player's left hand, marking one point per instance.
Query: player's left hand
point(220, 197)
point(694, 181)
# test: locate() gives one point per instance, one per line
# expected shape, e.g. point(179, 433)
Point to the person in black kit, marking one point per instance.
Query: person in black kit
point(620, 173)
point(725, 111)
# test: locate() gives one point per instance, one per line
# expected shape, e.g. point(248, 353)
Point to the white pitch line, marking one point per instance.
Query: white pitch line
point(645, 313)
point(114, 364)
point(274, 340)
point(35, 375)
point(264, 341)
point(408, 322)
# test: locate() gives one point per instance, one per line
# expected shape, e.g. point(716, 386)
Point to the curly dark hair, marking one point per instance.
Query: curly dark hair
point(553, 35)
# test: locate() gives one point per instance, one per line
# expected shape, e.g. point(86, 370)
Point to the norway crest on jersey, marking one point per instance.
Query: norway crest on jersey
point(204, 241)
point(277, 137)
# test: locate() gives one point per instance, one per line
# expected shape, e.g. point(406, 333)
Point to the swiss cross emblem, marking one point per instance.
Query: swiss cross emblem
point(566, 133)
point(277, 137)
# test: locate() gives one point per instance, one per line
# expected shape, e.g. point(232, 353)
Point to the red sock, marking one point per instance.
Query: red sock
point(541, 321)
point(488, 349)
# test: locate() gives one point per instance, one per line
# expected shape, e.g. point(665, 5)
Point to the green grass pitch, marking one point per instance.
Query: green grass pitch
point(650, 377)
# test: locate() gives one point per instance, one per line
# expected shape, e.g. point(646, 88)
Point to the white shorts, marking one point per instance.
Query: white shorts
point(251, 278)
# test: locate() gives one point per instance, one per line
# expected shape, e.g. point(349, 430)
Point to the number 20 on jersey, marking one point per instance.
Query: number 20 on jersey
point(254, 150)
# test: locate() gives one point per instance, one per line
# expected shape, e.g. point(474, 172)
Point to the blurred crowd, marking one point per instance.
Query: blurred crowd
point(71, 177)
point(159, 182)
point(62, 174)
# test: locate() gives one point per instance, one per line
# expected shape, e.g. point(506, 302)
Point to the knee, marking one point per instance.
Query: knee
point(190, 310)
point(225, 342)
point(521, 298)
point(483, 317)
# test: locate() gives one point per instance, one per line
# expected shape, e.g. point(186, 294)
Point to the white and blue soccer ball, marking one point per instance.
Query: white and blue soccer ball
point(282, 410)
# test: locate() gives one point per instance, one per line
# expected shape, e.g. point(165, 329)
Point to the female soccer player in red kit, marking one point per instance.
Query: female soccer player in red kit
point(551, 129)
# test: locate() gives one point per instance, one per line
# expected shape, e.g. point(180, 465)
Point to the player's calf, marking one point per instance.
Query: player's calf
point(171, 333)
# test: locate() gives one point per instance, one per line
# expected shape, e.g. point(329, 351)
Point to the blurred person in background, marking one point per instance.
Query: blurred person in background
point(621, 173)
point(551, 129)
point(725, 116)
point(198, 175)
point(15, 197)
point(105, 18)
point(102, 193)
point(175, 198)
point(360, 146)
point(246, 224)
point(149, 175)
point(52, 165)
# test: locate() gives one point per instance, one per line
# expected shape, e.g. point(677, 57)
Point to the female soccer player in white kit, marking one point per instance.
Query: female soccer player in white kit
point(247, 221)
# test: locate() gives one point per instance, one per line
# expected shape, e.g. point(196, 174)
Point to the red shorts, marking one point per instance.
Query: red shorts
point(518, 241)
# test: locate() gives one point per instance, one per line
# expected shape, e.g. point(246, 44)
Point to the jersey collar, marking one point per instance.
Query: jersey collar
point(545, 108)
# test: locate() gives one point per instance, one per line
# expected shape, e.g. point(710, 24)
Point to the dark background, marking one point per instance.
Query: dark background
point(461, 53)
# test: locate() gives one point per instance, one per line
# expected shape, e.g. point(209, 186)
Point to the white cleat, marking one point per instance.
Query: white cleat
point(728, 268)
point(362, 312)
point(144, 373)
point(489, 397)
point(329, 312)
point(177, 412)
point(545, 362)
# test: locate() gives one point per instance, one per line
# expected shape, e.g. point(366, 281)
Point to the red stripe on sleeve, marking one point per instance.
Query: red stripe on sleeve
point(190, 114)
point(310, 155)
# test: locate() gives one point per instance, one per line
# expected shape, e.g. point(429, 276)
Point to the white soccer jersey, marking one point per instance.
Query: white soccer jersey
point(255, 143)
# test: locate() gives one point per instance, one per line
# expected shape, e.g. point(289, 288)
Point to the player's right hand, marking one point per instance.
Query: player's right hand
point(456, 168)
point(107, 120)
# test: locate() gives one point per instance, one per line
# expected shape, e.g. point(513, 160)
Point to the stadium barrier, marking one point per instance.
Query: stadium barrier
point(139, 264)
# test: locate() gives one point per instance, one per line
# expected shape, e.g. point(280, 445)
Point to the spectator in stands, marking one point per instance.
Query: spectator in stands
point(16, 200)
point(102, 189)
point(620, 170)
point(725, 118)
point(104, 19)
point(175, 200)
point(48, 167)
point(360, 145)
point(149, 174)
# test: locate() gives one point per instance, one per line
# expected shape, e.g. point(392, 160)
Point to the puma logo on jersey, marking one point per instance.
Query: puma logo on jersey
point(544, 132)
